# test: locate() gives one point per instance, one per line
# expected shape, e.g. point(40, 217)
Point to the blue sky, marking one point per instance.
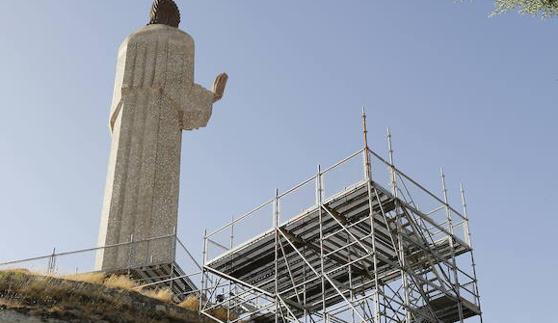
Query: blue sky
point(473, 94)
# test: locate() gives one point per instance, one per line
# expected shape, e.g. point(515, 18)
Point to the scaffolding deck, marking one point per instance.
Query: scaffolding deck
point(254, 262)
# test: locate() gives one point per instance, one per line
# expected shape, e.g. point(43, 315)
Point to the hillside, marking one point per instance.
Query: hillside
point(26, 297)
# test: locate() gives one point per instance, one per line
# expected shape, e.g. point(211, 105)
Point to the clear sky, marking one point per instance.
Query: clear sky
point(473, 94)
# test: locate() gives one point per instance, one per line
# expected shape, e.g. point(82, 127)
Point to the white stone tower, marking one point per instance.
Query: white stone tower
point(155, 99)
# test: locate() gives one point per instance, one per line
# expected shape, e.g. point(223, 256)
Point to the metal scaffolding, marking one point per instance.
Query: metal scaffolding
point(381, 248)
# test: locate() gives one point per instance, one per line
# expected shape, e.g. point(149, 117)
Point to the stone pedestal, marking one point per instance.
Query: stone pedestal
point(155, 98)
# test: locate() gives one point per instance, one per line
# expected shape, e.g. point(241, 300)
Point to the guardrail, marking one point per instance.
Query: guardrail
point(442, 219)
point(83, 261)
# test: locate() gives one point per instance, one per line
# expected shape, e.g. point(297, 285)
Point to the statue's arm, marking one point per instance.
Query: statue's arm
point(199, 104)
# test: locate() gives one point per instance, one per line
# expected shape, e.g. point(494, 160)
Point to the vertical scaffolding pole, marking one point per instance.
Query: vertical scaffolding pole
point(391, 164)
point(368, 176)
point(203, 290)
point(173, 243)
point(230, 296)
point(351, 287)
point(473, 263)
point(451, 244)
point(445, 195)
point(400, 246)
point(319, 195)
point(306, 312)
point(276, 230)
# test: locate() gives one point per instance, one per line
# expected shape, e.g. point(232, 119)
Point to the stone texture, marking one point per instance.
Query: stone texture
point(155, 98)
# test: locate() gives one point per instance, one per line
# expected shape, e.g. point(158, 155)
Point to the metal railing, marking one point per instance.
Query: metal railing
point(83, 261)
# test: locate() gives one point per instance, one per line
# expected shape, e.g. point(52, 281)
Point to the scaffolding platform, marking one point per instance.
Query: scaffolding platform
point(362, 254)
point(254, 261)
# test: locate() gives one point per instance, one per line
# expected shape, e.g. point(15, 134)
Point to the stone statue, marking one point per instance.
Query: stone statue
point(155, 99)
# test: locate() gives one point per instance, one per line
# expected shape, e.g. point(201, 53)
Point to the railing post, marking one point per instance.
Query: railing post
point(466, 231)
point(391, 164)
point(130, 252)
point(446, 202)
point(365, 152)
point(52, 262)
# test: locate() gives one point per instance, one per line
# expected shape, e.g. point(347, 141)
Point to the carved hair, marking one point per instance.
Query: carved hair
point(164, 12)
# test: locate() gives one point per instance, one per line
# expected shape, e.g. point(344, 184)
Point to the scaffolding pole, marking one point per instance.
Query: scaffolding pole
point(469, 241)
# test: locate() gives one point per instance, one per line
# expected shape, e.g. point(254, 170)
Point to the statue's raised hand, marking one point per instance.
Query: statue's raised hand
point(219, 86)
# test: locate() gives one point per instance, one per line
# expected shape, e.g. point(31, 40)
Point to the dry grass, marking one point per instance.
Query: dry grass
point(163, 294)
point(18, 270)
point(25, 271)
point(122, 282)
point(47, 296)
point(114, 281)
point(191, 303)
point(42, 286)
point(223, 314)
point(94, 278)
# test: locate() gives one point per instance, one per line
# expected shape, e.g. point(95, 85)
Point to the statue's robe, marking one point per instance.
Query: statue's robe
point(155, 98)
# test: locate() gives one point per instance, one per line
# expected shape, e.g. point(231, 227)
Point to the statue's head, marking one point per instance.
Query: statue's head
point(164, 12)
